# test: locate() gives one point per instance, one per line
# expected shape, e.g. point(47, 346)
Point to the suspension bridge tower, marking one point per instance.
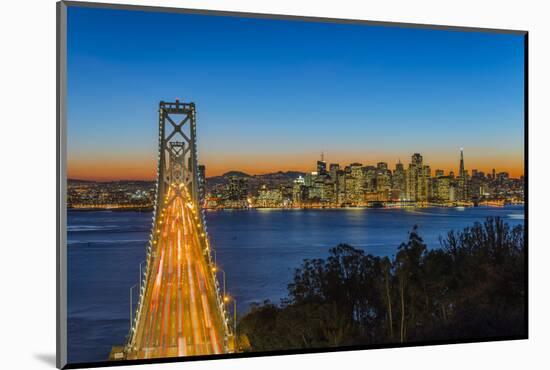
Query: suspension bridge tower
point(180, 310)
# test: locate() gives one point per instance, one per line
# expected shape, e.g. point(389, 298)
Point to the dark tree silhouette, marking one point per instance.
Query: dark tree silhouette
point(470, 288)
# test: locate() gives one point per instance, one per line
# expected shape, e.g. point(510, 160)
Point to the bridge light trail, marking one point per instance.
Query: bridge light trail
point(179, 293)
point(180, 312)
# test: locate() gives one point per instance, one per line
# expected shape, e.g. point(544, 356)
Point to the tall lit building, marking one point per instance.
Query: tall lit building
point(328, 193)
point(369, 179)
point(382, 181)
point(398, 180)
point(357, 189)
point(321, 168)
point(333, 171)
point(417, 180)
point(310, 178)
point(462, 185)
point(341, 187)
point(442, 188)
point(316, 190)
point(299, 191)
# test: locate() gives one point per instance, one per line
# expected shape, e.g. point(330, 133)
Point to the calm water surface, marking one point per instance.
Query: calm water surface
point(258, 249)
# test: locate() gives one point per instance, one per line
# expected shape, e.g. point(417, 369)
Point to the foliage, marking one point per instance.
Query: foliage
point(472, 287)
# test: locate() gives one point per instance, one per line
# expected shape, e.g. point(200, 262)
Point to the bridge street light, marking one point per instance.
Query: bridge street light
point(227, 299)
point(131, 306)
point(216, 269)
point(141, 272)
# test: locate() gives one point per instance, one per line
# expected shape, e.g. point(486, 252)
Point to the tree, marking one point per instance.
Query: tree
point(471, 287)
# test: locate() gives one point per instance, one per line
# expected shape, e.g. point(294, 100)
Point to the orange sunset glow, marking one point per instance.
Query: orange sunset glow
point(112, 169)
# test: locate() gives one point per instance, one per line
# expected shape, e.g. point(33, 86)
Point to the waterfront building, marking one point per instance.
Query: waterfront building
point(237, 188)
point(269, 197)
point(442, 189)
point(349, 185)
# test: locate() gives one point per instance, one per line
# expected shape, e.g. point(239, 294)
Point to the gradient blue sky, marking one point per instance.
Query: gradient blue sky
point(272, 94)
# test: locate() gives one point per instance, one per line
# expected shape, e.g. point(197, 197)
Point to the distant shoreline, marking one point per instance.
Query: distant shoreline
point(150, 209)
point(103, 209)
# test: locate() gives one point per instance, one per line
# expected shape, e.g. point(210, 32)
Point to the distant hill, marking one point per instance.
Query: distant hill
point(79, 181)
point(254, 181)
point(291, 175)
point(75, 181)
point(274, 179)
point(288, 175)
point(235, 174)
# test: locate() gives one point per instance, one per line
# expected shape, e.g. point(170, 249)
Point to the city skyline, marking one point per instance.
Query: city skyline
point(271, 96)
point(331, 185)
point(309, 167)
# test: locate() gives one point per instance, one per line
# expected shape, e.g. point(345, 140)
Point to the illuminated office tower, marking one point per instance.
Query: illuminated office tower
point(369, 179)
point(398, 179)
point(426, 182)
point(237, 188)
point(439, 173)
point(349, 185)
point(356, 170)
point(333, 171)
point(442, 188)
point(269, 197)
point(328, 192)
point(382, 181)
point(341, 186)
point(321, 166)
point(299, 191)
point(462, 187)
point(356, 190)
point(310, 178)
point(417, 180)
point(316, 190)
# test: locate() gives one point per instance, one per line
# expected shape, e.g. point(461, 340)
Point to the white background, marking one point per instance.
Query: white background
point(27, 124)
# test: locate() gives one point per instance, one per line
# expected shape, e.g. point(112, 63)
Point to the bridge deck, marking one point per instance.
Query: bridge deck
point(179, 314)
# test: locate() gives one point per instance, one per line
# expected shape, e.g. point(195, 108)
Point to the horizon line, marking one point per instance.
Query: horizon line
point(148, 179)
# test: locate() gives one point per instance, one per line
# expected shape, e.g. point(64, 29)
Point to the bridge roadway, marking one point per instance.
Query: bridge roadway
point(180, 314)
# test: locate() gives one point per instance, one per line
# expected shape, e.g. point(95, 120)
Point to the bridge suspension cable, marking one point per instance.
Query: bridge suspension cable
point(180, 310)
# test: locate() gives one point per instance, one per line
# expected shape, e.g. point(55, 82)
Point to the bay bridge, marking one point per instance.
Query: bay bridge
point(180, 310)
